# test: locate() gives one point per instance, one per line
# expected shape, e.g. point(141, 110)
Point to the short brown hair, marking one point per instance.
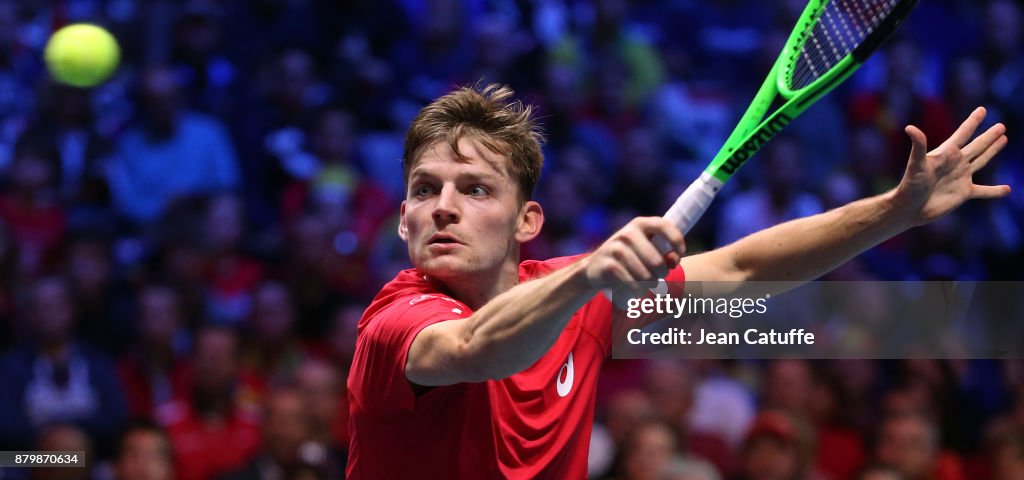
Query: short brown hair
point(488, 115)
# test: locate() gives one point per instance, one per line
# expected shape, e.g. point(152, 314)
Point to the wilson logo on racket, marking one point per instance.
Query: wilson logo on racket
point(761, 137)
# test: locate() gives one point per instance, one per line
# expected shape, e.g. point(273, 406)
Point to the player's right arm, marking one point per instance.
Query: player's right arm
point(514, 329)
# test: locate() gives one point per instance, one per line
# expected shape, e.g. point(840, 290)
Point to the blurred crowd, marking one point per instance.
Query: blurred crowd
point(186, 249)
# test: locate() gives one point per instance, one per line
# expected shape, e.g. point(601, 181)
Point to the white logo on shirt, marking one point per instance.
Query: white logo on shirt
point(428, 297)
point(565, 386)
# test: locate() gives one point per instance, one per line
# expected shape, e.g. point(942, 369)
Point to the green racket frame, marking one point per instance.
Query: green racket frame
point(754, 130)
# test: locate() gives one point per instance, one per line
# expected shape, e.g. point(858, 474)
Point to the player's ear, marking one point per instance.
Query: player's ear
point(403, 230)
point(531, 219)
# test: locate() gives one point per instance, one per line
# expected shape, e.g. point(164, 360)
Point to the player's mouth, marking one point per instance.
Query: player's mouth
point(443, 239)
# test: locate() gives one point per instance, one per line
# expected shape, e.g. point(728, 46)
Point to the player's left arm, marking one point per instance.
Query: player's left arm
point(935, 183)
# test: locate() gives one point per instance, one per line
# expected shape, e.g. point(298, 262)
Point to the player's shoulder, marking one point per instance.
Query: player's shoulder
point(408, 298)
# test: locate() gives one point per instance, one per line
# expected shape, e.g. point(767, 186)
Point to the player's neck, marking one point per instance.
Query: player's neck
point(477, 289)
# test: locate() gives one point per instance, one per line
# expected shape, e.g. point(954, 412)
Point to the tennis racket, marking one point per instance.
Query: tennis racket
point(831, 40)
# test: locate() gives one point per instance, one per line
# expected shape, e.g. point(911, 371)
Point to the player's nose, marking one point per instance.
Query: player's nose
point(447, 209)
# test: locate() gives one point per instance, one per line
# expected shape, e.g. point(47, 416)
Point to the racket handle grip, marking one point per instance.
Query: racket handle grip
point(689, 207)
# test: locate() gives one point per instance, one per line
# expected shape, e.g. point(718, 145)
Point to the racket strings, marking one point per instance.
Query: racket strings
point(841, 27)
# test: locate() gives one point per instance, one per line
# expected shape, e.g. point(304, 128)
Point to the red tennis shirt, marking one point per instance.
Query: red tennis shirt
point(534, 424)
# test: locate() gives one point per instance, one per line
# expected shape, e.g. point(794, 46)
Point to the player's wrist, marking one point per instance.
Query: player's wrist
point(900, 209)
point(583, 276)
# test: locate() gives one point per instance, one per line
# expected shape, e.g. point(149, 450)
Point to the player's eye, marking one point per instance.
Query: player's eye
point(423, 190)
point(478, 191)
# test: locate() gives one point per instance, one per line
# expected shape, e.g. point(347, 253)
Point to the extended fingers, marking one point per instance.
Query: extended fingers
point(989, 191)
point(995, 147)
point(966, 130)
point(979, 145)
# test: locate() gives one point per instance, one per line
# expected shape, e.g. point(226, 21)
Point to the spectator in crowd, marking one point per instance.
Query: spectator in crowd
point(626, 409)
point(840, 446)
point(66, 121)
point(153, 373)
point(286, 437)
point(104, 310)
point(31, 208)
point(54, 378)
point(215, 429)
point(181, 258)
point(311, 275)
point(144, 453)
point(722, 405)
point(779, 446)
point(272, 351)
point(326, 402)
point(65, 438)
point(169, 153)
point(787, 386)
point(648, 451)
point(909, 443)
point(232, 273)
point(669, 384)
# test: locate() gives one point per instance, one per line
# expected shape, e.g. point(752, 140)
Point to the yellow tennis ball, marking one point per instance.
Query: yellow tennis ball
point(82, 55)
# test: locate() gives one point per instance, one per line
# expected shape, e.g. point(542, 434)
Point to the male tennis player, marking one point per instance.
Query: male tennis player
point(475, 365)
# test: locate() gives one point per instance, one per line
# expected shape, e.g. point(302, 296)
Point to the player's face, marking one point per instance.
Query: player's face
point(460, 216)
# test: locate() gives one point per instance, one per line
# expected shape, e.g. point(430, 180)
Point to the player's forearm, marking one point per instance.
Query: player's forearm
point(806, 248)
point(516, 328)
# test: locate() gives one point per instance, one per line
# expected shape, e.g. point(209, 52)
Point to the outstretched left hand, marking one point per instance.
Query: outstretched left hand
point(939, 181)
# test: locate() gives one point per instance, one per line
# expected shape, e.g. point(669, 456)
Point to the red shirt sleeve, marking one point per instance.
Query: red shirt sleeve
point(377, 379)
